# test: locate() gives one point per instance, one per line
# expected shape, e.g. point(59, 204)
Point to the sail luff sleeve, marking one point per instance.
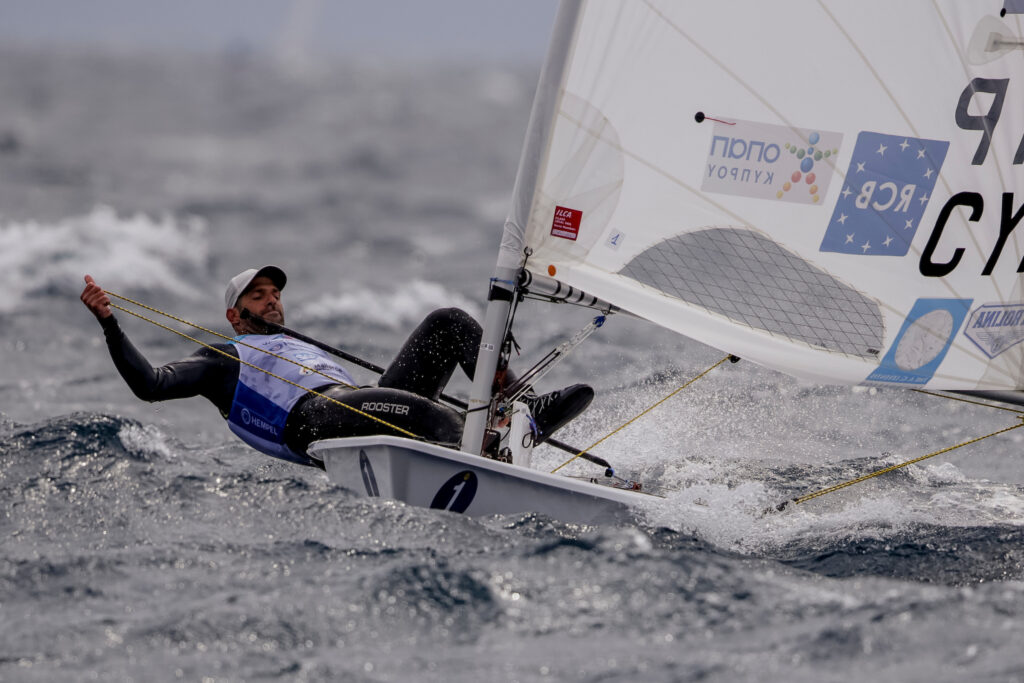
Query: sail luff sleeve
point(510, 254)
point(538, 132)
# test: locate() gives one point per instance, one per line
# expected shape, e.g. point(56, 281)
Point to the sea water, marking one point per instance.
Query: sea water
point(143, 542)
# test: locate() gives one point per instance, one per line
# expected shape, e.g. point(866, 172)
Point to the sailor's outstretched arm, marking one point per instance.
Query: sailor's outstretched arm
point(206, 373)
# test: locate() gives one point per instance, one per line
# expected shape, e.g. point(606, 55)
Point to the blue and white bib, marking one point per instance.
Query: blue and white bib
point(261, 404)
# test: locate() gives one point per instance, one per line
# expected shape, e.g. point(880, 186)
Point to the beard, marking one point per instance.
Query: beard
point(274, 315)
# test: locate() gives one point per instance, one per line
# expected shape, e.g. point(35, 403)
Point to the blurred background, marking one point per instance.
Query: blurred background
point(292, 30)
point(370, 149)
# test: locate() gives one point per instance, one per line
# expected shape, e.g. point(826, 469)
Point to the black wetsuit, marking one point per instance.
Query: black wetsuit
point(445, 339)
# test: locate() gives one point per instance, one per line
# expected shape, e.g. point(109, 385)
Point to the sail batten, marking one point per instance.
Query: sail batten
point(828, 188)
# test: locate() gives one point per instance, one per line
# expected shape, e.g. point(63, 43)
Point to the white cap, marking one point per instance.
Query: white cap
point(241, 282)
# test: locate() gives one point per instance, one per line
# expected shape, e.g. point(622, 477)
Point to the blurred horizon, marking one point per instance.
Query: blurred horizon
point(295, 31)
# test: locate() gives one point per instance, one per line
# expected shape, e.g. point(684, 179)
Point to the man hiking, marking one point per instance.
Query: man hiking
point(260, 382)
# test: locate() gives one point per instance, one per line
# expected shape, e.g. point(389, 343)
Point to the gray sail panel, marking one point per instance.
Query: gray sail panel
point(750, 279)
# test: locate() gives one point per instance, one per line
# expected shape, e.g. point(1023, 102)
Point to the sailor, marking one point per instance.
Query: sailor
point(277, 415)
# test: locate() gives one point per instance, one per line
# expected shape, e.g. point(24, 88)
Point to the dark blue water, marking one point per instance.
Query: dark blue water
point(143, 542)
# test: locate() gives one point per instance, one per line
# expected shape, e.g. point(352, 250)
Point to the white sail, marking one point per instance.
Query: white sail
point(827, 188)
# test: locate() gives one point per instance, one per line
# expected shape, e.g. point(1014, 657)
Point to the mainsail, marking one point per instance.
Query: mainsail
point(827, 188)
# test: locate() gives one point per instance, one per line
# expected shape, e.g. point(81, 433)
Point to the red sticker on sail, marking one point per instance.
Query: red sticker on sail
point(566, 223)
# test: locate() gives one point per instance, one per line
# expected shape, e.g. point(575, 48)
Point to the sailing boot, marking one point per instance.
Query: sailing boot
point(554, 410)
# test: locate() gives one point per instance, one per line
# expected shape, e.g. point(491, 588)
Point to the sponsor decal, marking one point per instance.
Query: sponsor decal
point(922, 342)
point(382, 407)
point(766, 161)
point(257, 423)
point(885, 194)
point(457, 493)
point(994, 328)
point(322, 368)
point(566, 223)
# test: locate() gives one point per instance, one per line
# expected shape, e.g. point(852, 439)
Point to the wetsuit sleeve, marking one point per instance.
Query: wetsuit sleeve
point(205, 373)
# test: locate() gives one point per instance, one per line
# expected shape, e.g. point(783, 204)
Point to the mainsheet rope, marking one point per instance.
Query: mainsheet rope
point(255, 367)
point(876, 473)
point(891, 468)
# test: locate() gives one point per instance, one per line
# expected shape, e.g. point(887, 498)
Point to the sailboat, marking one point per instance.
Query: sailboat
point(828, 189)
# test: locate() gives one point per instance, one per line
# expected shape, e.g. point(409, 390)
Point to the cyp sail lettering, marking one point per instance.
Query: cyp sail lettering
point(1009, 216)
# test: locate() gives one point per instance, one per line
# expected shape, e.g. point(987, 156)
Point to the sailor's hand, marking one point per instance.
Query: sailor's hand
point(95, 299)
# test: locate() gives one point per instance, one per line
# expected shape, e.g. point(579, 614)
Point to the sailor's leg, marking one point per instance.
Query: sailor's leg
point(321, 417)
point(450, 337)
point(446, 339)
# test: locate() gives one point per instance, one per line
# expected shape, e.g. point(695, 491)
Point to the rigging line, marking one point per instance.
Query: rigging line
point(255, 367)
point(216, 334)
point(837, 487)
point(626, 424)
point(966, 400)
point(522, 384)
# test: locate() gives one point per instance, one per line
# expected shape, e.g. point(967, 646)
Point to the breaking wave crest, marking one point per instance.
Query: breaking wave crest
point(397, 309)
point(135, 252)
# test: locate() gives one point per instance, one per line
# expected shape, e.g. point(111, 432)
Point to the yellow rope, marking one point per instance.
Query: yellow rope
point(831, 489)
point(626, 424)
point(255, 367)
point(837, 487)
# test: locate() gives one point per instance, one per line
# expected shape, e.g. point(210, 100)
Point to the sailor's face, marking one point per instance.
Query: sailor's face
point(263, 298)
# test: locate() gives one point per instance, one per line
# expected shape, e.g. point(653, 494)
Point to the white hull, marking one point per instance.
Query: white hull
point(432, 476)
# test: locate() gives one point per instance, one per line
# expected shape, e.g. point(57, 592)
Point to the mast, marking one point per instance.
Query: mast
point(510, 255)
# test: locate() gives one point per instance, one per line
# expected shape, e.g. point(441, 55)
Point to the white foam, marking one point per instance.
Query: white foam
point(720, 502)
point(717, 465)
point(133, 252)
point(396, 309)
point(145, 439)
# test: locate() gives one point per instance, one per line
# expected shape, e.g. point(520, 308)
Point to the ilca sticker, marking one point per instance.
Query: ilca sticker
point(566, 223)
point(922, 342)
point(885, 194)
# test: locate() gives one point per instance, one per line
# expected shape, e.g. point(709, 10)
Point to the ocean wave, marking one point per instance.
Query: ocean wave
point(926, 553)
point(136, 252)
point(65, 437)
point(396, 309)
point(434, 595)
